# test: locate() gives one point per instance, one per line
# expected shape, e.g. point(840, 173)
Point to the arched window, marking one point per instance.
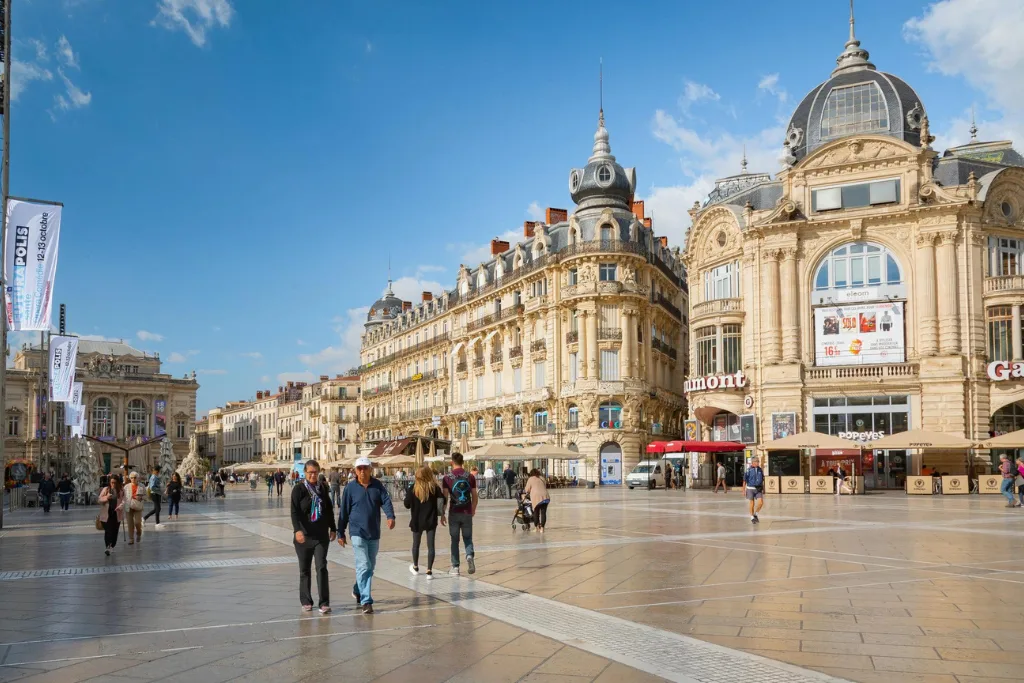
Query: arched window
point(607, 233)
point(540, 420)
point(136, 418)
point(479, 428)
point(858, 265)
point(853, 109)
point(609, 415)
point(463, 427)
point(574, 417)
point(517, 423)
point(102, 422)
point(497, 425)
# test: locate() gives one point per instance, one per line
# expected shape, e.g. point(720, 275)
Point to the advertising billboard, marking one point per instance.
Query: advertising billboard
point(159, 418)
point(859, 334)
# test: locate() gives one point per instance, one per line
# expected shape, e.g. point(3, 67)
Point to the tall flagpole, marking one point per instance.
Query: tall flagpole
point(5, 166)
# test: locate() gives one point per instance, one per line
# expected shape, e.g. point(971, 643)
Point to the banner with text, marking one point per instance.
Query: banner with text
point(159, 418)
point(30, 263)
point(63, 353)
point(74, 413)
point(859, 334)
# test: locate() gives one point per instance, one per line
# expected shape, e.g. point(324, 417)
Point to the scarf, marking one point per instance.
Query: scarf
point(315, 505)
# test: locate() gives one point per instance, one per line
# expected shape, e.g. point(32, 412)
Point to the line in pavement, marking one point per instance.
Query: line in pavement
point(71, 572)
point(662, 653)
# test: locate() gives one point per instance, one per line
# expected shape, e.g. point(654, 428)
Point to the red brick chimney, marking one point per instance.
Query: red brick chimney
point(427, 296)
point(259, 395)
point(406, 306)
point(324, 378)
point(648, 223)
point(528, 229)
point(638, 209)
point(499, 246)
point(664, 242)
point(552, 216)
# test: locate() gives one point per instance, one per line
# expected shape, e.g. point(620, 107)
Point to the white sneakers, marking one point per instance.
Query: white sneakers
point(413, 569)
point(454, 571)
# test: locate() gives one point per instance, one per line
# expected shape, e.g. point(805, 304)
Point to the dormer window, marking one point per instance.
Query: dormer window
point(859, 108)
point(604, 175)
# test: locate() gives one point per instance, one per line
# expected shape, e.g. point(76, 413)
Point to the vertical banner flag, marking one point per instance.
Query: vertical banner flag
point(159, 418)
point(30, 263)
point(74, 413)
point(63, 354)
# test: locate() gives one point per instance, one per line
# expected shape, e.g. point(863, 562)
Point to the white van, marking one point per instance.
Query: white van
point(648, 474)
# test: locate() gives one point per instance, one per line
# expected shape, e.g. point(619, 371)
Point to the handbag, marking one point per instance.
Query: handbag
point(99, 524)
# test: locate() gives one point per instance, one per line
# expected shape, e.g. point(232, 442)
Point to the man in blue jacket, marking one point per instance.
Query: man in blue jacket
point(361, 503)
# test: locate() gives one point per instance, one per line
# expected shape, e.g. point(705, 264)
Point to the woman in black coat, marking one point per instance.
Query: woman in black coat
point(426, 501)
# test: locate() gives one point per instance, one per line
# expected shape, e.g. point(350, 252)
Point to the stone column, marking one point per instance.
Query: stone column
point(581, 352)
point(1015, 332)
point(626, 351)
point(948, 285)
point(592, 347)
point(648, 354)
point(927, 317)
point(790, 307)
point(771, 326)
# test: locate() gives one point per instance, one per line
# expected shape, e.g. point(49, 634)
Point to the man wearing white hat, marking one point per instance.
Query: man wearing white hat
point(361, 503)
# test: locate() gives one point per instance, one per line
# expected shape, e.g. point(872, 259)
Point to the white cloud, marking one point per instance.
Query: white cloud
point(428, 268)
point(979, 41)
point(299, 342)
point(149, 336)
point(472, 254)
point(696, 92)
point(255, 355)
point(66, 54)
point(410, 288)
point(40, 46)
point(535, 212)
point(76, 97)
point(704, 157)
point(212, 372)
point(285, 377)
point(23, 73)
point(176, 357)
point(194, 17)
point(770, 85)
point(344, 355)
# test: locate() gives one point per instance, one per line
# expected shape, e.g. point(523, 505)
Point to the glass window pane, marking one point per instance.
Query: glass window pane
point(831, 198)
point(874, 270)
point(883, 192)
point(840, 274)
point(821, 281)
point(855, 195)
point(857, 271)
point(892, 271)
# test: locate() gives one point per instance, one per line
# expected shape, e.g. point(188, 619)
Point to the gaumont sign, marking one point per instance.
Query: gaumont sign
point(1002, 370)
point(736, 380)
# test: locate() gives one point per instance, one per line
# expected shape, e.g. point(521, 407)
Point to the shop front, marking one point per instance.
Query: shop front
point(863, 419)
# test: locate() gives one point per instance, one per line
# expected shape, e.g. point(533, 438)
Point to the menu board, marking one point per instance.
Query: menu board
point(859, 334)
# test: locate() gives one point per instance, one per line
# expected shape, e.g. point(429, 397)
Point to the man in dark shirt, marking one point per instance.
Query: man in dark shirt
point(460, 490)
point(335, 480)
point(510, 479)
point(361, 504)
point(65, 488)
point(279, 478)
point(313, 524)
point(46, 490)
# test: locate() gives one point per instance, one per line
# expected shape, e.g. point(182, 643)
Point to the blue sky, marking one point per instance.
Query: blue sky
point(235, 176)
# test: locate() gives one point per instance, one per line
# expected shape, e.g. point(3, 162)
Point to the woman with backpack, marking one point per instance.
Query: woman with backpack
point(537, 489)
point(426, 501)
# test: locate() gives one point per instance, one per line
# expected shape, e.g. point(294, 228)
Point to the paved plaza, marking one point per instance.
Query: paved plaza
point(624, 586)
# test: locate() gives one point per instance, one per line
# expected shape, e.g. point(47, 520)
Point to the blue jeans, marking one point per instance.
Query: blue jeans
point(366, 560)
point(460, 522)
point(336, 497)
point(173, 505)
point(1007, 490)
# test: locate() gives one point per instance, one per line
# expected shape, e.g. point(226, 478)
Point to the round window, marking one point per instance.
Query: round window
point(604, 174)
point(574, 180)
point(720, 239)
point(1007, 209)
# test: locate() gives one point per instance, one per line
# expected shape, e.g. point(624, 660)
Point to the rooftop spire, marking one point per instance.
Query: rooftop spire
point(602, 150)
point(853, 58)
point(743, 163)
point(973, 129)
point(389, 292)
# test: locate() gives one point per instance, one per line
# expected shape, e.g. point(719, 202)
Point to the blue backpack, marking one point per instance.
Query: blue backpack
point(462, 491)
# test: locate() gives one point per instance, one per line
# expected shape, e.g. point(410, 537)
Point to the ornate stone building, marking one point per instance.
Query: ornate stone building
point(574, 336)
point(866, 289)
point(127, 400)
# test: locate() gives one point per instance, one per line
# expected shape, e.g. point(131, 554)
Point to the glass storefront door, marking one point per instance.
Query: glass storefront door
point(863, 419)
point(890, 469)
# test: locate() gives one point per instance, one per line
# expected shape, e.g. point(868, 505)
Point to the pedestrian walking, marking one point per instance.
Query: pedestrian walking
point(510, 479)
point(47, 488)
point(1020, 479)
point(174, 489)
point(133, 504)
point(426, 501)
point(721, 478)
point(335, 481)
point(1009, 473)
point(753, 480)
point(155, 489)
point(537, 490)
point(461, 494)
point(313, 523)
point(279, 479)
point(111, 512)
point(668, 475)
point(840, 480)
point(65, 487)
point(361, 505)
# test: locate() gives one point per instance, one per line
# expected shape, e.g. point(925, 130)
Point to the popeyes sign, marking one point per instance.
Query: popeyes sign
point(1002, 370)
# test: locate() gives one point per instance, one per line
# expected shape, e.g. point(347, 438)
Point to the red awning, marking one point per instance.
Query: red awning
point(694, 446)
point(389, 448)
point(656, 447)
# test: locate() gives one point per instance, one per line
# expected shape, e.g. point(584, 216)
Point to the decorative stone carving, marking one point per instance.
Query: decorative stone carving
point(926, 239)
point(854, 151)
point(948, 236)
point(193, 464)
point(915, 117)
point(856, 229)
point(86, 470)
point(167, 459)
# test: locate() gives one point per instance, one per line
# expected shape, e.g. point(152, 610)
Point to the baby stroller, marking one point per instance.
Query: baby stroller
point(524, 512)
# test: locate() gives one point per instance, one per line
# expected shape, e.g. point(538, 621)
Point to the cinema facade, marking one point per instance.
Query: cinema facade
point(872, 286)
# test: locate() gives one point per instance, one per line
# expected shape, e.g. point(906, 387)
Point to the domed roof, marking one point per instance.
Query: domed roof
point(856, 100)
point(603, 182)
point(386, 308)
